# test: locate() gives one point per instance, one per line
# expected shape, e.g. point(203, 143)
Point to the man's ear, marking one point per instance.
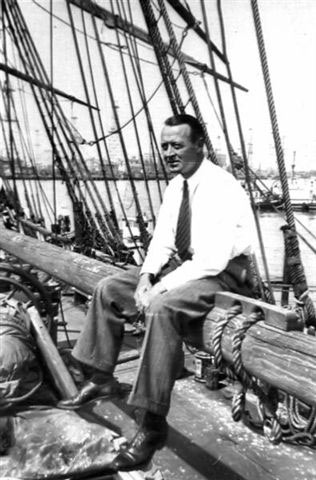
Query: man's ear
point(200, 143)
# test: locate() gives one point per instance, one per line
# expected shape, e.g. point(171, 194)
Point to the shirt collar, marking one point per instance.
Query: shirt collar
point(195, 179)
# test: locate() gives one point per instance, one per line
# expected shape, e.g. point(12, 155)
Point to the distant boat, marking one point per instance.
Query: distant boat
point(302, 194)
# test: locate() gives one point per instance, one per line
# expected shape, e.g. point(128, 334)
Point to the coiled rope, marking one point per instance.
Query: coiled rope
point(283, 419)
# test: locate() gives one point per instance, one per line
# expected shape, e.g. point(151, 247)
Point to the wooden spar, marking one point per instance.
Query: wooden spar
point(194, 24)
point(271, 351)
point(76, 270)
point(275, 350)
point(46, 233)
point(62, 378)
point(37, 83)
point(113, 21)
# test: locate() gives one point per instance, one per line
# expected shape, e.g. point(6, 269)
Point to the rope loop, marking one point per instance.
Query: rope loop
point(218, 333)
point(304, 296)
point(305, 438)
point(185, 32)
point(238, 404)
point(285, 420)
point(272, 430)
point(243, 376)
point(238, 337)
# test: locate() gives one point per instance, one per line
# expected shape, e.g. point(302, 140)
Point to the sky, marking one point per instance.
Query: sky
point(290, 41)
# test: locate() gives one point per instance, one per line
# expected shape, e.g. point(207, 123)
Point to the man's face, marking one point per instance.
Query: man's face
point(179, 152)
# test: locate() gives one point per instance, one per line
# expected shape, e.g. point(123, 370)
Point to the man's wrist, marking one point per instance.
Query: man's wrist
point(161, 287)
point(148, 276)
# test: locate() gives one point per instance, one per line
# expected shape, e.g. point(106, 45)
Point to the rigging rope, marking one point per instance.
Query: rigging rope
point(136, 130)
point(13, 155)
point(99, 115)
point(183, 70)
point(26, 145)
point(282, 416)
point(123, 146)
point(15, 152)
point(113, 213)
point(100, 220)
point(217, 88)
point(140, 110)
point(155, 150)
point(107, 44)
point(52, 113)
point(162, 57)
point(107, 150)
point(202, 75)
point(296, 272)
point(279, 211)
point(16, 201)
point(33, 207)
point(108, 224)
point(246, 164)
point(29, 49)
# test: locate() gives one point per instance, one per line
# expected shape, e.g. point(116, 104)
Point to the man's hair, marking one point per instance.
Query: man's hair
point(196, 128)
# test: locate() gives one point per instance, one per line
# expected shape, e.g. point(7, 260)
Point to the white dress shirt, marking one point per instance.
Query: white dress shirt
point(222, 226)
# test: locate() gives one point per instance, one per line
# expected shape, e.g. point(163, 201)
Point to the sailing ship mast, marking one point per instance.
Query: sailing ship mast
point(97, 214)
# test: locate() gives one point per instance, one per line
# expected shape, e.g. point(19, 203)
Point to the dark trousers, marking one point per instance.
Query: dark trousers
point(168, 320)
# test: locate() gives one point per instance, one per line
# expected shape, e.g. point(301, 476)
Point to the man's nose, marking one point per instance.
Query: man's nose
point(170, 151)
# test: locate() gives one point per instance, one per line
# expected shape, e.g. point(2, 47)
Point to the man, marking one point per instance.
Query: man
point(200, 246)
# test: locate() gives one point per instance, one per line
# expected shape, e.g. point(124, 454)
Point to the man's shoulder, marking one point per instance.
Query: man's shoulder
point(216, 173)
point(217, 182)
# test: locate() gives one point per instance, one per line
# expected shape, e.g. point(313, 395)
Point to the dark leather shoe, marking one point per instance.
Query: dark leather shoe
point(89, 391)
point(141, 449)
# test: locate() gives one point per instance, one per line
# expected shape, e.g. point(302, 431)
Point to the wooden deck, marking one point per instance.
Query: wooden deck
point(204, 442)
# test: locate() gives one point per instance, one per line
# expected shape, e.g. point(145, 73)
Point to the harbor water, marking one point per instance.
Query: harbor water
point(270, 222)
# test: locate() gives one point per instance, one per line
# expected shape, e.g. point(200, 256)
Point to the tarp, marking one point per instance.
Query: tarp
point(36, 439)
point(52, 443)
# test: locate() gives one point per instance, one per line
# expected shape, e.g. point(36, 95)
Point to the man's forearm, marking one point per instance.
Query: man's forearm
point(146, 277)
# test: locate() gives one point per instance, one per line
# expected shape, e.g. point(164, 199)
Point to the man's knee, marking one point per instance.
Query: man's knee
point(157, 305)
point(107, 289)
point(104, 285)
point(158, 311)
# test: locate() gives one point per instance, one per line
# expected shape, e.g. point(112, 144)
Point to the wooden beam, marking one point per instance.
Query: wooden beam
point(72, 268)
point(284, 357)
point(65, 239)
point(113, 21)
point(59, 373)
point(206, 69)
point(187, 16)
point(271, 349)
point(33, 81)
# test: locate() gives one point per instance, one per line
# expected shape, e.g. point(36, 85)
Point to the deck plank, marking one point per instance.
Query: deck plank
point(204, 441)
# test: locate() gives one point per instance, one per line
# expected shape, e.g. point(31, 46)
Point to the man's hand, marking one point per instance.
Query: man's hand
point(142, 291)
point(157, 289)
point(145, 291)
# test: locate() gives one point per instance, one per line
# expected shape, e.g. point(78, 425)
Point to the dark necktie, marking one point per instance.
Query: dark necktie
point(183, 234)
